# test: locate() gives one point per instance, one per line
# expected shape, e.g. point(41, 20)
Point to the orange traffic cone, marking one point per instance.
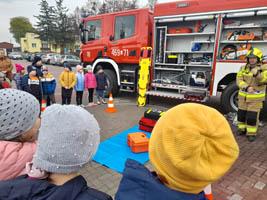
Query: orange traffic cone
point(43, 106)
point(111, 108)
point(208, 192)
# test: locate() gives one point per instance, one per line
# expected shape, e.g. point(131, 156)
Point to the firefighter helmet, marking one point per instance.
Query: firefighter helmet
point(255, 52)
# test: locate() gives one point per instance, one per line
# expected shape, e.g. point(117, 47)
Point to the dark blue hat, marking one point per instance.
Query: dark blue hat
point(36, 59)
point(31, 68)
point(67, 65)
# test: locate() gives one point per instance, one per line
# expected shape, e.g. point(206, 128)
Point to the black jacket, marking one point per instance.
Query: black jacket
point(39, 72)
point(23, 188)
point(35, 89)
point(101, 81)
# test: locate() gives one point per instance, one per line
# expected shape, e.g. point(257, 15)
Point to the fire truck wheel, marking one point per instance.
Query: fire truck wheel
point(112, 83)
point(229, 98)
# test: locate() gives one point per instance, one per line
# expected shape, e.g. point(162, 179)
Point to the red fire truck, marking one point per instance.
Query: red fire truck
point(198, 46)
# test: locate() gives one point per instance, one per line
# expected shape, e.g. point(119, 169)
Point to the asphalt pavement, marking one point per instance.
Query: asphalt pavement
point(246, 180)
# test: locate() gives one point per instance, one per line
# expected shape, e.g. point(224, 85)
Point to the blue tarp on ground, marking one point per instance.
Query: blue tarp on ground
point(114, 151)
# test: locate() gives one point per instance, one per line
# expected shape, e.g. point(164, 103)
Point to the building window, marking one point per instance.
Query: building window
point(124, 27)
point(44, 45)
point(93, 30)
point(33, 45)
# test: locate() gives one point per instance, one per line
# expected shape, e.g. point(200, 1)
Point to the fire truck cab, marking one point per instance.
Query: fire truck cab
point(113, 41)
point(198, 46)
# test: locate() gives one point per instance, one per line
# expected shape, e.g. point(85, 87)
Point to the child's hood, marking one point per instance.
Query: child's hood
point(13, 158)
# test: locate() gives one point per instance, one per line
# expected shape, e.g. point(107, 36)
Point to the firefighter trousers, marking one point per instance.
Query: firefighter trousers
point(248, 116)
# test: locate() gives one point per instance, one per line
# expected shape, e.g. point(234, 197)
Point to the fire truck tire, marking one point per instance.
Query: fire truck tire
point(229, 98)
point(112, 83)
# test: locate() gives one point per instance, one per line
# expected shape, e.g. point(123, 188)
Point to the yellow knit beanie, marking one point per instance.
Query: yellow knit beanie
point(192, 145)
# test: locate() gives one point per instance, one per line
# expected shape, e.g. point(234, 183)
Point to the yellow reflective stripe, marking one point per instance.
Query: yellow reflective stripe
point(241, 83)
point(239, 74)
point(255, 95)
point(241, 126)
point(264, 78)
point(252, 130)
point(149, 111)
point(249, 74)
point(242, 94)
point(261, 105)
point(161, 113)
point(251, 95)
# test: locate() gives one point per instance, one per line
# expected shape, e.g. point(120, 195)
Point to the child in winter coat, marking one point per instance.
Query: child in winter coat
point(32, 84)
point(48, 85)
point(67, 80)
point(79, 86)
point(20, 71)
point(101, 85)
point(90, 84)
point(64, 147)
point(188, 153)
point(3, 81)
point(19, 124)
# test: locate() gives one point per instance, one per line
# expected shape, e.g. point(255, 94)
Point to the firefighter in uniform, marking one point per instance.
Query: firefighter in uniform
point(251, 79)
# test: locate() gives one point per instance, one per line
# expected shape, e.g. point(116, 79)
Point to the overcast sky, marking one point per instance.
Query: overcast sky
point(29, 8)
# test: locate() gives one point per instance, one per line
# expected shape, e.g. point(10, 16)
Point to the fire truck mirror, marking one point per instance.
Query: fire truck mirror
point(111, 38)
point(82, 37)
point(81, 26)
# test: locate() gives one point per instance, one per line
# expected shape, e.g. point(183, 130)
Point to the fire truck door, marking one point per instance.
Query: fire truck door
point(123, 42)
point(93, 39)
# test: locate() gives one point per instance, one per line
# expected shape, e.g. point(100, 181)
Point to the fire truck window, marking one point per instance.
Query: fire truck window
point(124, 27)
point(93, 30)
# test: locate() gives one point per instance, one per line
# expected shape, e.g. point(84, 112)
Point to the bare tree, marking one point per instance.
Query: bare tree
point(92, 7)
point(151, 4)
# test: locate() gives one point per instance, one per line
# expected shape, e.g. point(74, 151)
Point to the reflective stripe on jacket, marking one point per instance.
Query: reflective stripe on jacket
point(245, 79)
point(48, 84)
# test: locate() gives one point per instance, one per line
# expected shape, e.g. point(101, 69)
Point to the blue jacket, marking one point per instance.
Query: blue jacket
point(79, 82)
point(18, 79)
point(101, 81)
point(138, 183)
point(48, 84)
point(23, 188)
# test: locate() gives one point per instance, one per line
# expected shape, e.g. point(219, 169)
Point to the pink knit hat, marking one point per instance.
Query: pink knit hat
point(79, 67)
point(19, 68)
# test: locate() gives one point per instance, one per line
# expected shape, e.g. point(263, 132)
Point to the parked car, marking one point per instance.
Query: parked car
point(15, 56)
point(24, 55)
point(72, 60)
point(40, 54)
point(30, 57)
point(47, 58)
point(55, 59)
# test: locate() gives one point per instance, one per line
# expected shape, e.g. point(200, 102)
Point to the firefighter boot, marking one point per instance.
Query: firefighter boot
point(241, 132)
point(251, 138)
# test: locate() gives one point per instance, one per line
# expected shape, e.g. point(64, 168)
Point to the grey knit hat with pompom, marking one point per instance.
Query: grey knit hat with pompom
point(19, 111)
point(68, 139)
